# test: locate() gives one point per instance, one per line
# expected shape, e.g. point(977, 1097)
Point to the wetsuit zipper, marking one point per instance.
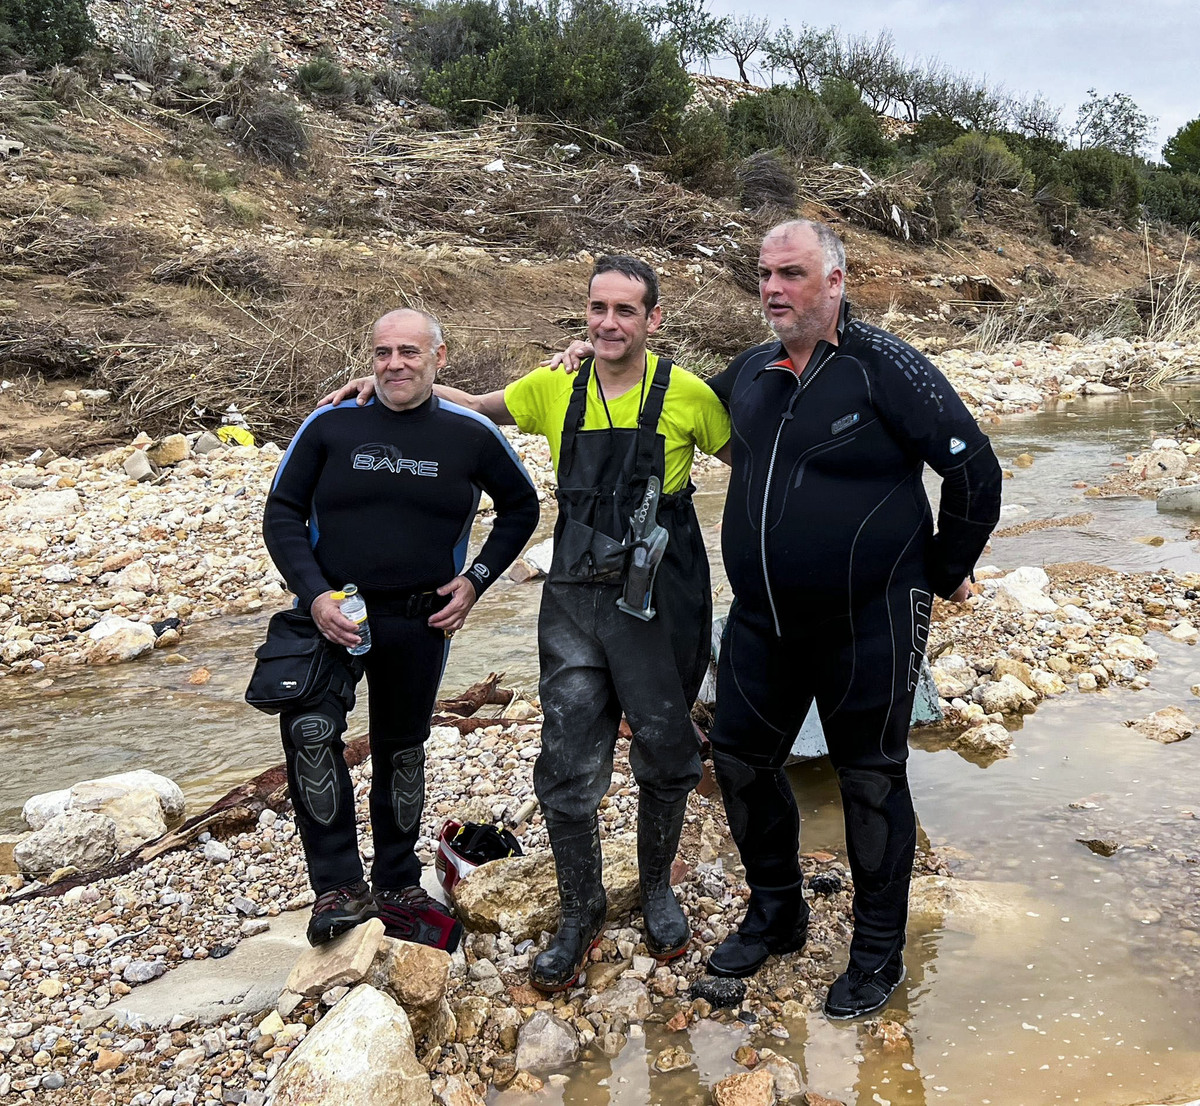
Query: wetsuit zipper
point(801, 383)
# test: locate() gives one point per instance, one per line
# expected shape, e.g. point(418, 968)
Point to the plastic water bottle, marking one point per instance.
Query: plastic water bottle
point(354, 607)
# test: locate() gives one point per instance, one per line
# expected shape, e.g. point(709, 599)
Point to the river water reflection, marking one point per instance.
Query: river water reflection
point(1080, 987)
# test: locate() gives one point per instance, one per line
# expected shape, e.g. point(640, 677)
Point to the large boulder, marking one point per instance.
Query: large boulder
point(415, 976)
point(137, 576)
point(342, 962)
point(988, 740)
point(519, 895)
point(138, 816)
point(1129, 647)
point(546, 1043)
point(1008, 695)
point(361, 1053)
point(77, 838)
point(115, 639)
point(110, 795)
point(747, 1088)
point(1159, 464)
point(1167, 725)
point(170, 451)
point(1185, 499)
point(628, 997)
point(1024, 589)
point(43, 507)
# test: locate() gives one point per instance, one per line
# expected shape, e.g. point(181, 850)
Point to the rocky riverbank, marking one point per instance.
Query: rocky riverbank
point(155, 532)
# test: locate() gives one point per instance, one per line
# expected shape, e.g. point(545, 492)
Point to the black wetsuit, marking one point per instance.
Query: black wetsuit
point(831, 554)
point(385, 499)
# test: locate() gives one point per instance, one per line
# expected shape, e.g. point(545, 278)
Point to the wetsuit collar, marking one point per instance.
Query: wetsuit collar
point(781, 359)
point(419, 412)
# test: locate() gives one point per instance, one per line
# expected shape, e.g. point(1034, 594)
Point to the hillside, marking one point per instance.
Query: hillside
point(145, 253)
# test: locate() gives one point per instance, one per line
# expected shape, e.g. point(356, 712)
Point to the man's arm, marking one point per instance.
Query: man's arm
point(922, 409)
point(491, 404)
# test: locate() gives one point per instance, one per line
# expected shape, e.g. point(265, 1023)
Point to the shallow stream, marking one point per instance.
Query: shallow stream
point(1078, 983)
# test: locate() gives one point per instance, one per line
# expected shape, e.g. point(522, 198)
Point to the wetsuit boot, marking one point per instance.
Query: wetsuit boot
point(659, 826)
point(776, 922)
point(880, 842)
point(582, 902)
point(766, 828)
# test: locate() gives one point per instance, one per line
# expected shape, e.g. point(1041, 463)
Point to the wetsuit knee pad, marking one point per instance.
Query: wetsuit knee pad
point(408, 787)
point(314, 736)
point(864, 796)
point(736, 778)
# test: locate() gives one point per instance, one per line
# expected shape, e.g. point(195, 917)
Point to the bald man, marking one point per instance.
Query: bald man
point(383, 496)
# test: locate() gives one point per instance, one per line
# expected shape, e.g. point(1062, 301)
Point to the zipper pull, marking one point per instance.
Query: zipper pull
point(789, 413)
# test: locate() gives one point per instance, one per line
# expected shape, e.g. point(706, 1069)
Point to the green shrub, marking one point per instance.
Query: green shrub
point(931, 132)
point(1182, 150)
point(324, 81)
point(982, 160)
point(1173, 197)
point(393, 85)
point(781, 118)
point(438, 34)
point(1103, 179)
point(43, 33)
point(766, 182)
point(856, 136)
point(594, 64)
point(699, 153)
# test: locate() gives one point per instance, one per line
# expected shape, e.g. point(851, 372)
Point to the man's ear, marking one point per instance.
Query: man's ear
point(837, 282)
point(441, 356)
point(654, 319)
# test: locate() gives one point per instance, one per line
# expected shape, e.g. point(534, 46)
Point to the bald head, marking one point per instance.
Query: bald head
point(833, 253)
point(406, 315)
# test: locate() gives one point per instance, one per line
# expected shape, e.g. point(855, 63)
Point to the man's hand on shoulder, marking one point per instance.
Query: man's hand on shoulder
point(452, 616)
point(331, 622)
point(570, 358)
point(362, 387)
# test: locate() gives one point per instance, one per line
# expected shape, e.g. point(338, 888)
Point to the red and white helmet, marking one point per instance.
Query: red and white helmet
point(464, 846)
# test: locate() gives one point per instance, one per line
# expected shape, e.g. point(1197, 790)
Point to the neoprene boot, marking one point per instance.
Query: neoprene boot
point(776, 921)
point(583, 904)
point(659, 826)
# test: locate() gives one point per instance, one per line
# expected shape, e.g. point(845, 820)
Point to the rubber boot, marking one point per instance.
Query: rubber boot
point(583, 904)
point(776, 921)
point(659, 826)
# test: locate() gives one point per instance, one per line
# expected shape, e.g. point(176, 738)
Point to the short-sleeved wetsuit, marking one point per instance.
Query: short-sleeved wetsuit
point(385, 500)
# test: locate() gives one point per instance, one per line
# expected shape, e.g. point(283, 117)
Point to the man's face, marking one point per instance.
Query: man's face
point(799, 302)
point(617, 321)
point(405, 360)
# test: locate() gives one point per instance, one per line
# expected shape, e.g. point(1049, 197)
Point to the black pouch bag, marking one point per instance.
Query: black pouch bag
point(297, 667)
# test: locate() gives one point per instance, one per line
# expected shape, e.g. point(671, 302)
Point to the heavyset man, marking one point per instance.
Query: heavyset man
point(830, 550)
point(627, 416)
point(383, 496)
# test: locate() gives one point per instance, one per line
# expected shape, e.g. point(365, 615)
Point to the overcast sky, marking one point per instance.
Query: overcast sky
point(1148, 49)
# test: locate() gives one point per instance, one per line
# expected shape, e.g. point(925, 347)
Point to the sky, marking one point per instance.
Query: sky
point(1149, 50)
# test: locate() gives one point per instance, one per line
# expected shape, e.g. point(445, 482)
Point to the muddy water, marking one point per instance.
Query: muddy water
point(1077, 984)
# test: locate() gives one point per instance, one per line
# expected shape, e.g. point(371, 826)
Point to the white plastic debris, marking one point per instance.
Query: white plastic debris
point(496, 166)
point(636, 173)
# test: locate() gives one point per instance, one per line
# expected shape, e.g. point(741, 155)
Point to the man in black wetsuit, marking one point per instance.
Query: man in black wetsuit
point(627, 416)
point(831, 554)
point(383, 496)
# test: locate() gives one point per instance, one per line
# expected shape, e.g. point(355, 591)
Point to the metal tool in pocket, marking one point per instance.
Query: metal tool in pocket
point(649, 543)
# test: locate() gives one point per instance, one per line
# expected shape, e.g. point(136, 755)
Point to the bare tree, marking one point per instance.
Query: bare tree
point(1035, 117)
point(1115, 122)
point(742, 37)
point(803, 53)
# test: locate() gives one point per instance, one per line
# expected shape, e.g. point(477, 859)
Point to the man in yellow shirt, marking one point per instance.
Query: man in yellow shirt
point(627, 416)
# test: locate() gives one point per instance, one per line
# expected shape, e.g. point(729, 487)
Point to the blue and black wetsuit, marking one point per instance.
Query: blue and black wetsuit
point(385, 499)
point(832, 557)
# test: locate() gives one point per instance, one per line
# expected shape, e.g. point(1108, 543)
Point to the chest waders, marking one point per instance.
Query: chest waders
point(599, 661)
